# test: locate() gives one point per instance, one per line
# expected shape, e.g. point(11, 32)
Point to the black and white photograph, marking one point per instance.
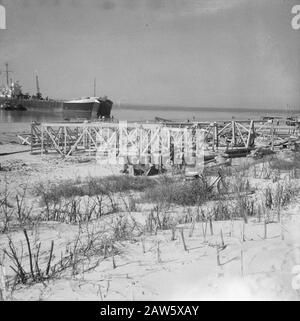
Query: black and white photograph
point(149, 151)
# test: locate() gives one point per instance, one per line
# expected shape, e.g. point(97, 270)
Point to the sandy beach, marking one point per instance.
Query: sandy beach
point(233, 258)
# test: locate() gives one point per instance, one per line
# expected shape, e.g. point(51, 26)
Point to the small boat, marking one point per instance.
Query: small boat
point(162, 120)
point(87, 108)
point(272, 118)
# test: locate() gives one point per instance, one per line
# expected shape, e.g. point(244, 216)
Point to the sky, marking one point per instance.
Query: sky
point(196, 53)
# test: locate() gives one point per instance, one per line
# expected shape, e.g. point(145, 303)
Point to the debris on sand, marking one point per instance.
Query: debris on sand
point(13, 165)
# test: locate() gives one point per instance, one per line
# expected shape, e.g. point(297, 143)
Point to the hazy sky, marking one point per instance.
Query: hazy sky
point(231, 53)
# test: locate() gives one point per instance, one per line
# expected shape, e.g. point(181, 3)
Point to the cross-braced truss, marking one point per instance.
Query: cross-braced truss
point(156, 143)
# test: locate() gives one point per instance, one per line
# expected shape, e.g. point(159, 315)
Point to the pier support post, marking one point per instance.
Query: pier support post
point(233, 133)
point(272, 135)
point(216, 135)
point(65, 140)
point(251, 133)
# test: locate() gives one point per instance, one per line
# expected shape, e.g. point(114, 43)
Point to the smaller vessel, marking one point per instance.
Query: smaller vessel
point(87, 108)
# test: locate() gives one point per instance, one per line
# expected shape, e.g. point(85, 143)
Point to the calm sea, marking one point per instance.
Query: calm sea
point(138, 113)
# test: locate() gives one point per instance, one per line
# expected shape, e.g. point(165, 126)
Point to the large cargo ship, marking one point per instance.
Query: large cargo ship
point(12, 98)
point(30, 104)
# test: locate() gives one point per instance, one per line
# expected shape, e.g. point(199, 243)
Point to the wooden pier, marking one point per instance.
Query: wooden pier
point(158, 142)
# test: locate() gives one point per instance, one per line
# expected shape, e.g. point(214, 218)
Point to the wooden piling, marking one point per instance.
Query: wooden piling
point(173, 230)
point(218, 255)
point(242, 263)
point(211, 226)
point(183, 239)
point(204, 230)
point(265, 229)
point(222, 238)
point(158, 252)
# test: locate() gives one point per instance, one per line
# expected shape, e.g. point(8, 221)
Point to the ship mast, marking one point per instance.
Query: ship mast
point(37, 85)
point(7, 74)
point(94, 87)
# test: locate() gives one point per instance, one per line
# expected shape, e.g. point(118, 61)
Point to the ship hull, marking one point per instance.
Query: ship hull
point(78, 110)
point(104, 110)
point(32, 104)
point(87, 110)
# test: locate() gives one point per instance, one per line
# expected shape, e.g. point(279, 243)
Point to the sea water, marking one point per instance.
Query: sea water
point(143, 113)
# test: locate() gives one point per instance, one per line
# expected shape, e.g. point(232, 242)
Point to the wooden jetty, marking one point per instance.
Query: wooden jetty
point(158, 142)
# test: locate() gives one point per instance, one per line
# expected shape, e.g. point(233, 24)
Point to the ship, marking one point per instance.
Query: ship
point(87, 108)
point(31, 104)
point(12, 98)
